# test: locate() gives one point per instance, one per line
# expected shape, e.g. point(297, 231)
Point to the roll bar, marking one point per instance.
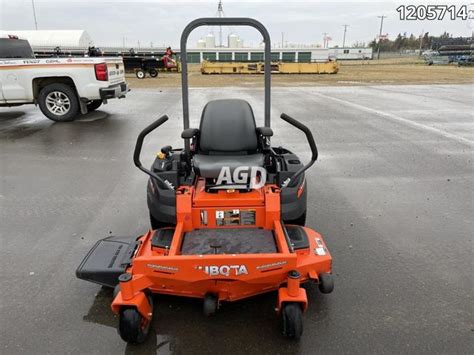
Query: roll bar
point(228, 21)
point(314, 150)
point(138, 150)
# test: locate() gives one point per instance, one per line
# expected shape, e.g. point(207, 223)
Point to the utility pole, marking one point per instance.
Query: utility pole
point(220, 14)
point(34, 13)
point(380, 34)
point(282, 37)
point(324, 39)
point(344, 38)
point(421, 41)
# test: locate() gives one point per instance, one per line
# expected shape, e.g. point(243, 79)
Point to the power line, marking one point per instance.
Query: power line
point(344, 38)
point(380, 34)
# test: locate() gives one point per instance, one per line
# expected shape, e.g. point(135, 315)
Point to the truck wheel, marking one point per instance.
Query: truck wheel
point(140, 74)
point(94, 105)
point(58, 102)
point(153, 73)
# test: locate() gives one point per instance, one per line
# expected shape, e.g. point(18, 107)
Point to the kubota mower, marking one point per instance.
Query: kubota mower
point(227, 214)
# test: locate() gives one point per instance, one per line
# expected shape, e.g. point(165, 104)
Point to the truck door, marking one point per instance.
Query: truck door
point(2, 99)
point(14, 54)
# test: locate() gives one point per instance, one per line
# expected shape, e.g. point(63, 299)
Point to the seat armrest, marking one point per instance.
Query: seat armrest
point(265, 131)
point(189, 133)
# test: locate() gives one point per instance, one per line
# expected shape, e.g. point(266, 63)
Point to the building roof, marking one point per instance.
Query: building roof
point(53, 38)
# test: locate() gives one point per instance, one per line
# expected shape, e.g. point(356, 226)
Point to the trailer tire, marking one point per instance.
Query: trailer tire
point(292, 320)
point(153, 73)
point(58, 102)
point(140, 74)
point(93, 105)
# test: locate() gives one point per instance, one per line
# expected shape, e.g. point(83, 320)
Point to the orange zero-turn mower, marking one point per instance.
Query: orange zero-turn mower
point(227, 215)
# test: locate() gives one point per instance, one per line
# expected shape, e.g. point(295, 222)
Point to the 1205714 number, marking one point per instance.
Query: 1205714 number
point(432, 12)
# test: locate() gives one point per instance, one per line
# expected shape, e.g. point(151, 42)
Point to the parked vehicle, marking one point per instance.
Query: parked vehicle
point(61, 87)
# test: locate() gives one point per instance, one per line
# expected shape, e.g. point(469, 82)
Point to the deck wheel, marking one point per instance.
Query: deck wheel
point(133, 327)
point(292, 320)
point(209, 306)
point(326, 283)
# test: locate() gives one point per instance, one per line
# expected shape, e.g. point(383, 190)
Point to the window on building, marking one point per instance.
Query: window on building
point(346, 51)
point(241, 57)
point(288, 56)
point(194, 57)
point(304, 56)
point(256, 56)
point(225, 56)
point(275, 56)
point(209, 56)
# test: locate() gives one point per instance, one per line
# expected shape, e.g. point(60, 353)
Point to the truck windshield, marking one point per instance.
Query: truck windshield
point(15, 48)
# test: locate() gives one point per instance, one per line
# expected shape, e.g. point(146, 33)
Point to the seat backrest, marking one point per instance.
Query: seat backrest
point(227, 127)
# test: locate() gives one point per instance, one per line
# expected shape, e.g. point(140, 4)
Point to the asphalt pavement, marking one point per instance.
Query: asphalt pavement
point(392, 193)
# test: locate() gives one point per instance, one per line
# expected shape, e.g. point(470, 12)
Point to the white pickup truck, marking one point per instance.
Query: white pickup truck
point(62, 87)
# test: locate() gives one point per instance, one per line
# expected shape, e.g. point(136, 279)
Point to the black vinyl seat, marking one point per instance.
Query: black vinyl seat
point(227, 138)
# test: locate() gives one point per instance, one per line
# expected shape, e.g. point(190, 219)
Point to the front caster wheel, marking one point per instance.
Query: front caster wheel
point(326, 283)
point(133, 327)
point(292, 320)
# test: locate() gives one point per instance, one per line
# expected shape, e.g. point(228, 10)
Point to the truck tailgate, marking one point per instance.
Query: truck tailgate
point(116, 71)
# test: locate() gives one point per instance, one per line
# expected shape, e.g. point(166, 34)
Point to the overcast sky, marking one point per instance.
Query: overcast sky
point(161, 22)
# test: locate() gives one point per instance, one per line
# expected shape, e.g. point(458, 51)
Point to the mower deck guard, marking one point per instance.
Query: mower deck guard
point(107, 260)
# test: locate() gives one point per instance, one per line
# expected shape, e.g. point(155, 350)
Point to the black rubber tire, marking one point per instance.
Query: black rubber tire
point(140, 74)
point(94, 105)
point(292, 320)
point(326, 283)
point(209, 305)
point(153, 73)
point(300, 221)
point(155, 224)
point(116, 290)
point(66, 90)
point(130, 328)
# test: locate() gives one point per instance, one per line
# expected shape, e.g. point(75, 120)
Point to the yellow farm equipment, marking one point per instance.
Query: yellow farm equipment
point(211, 67)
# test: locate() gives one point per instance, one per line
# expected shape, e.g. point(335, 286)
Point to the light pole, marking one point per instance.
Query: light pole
point(344, 38)
point(34, 13)
point(380, 34)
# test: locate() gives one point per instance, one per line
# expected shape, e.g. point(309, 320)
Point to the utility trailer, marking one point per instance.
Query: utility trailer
point(216, 67)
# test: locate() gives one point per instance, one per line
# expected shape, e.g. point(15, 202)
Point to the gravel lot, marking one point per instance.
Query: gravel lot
point(392, 193)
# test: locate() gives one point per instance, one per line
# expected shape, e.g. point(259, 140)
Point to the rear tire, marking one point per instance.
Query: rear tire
point(140, 74)
point(292, 320)
point(58, 102)
point(94, 105)
point(300, 221)
point(155, 224)
point(153, 73)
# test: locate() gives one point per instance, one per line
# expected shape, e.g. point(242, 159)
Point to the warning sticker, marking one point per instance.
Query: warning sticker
point(235, 217)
